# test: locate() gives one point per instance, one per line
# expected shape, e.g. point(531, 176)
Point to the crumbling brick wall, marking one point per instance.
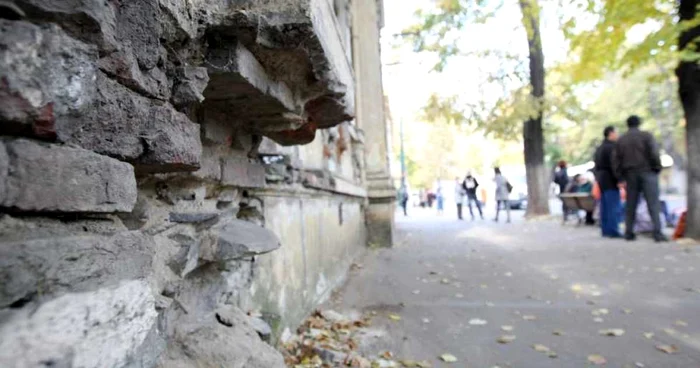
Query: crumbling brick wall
point(130, 155)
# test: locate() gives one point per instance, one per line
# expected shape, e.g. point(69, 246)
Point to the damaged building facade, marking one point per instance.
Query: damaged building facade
point(181, 178)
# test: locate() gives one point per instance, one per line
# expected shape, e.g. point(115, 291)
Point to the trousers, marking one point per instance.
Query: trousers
point(610, 212)
point(638, 183)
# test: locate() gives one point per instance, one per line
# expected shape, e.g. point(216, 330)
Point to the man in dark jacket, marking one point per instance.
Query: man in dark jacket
point(609, 192)
point(470, 185)
point(637, 165)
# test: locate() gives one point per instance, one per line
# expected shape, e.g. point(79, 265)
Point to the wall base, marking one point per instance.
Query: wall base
point(380, 222)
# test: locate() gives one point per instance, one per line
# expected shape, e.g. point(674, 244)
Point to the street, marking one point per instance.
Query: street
point(554, 295)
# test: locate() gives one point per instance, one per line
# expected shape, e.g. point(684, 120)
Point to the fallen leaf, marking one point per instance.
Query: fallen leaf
point(505, 339)
point(424, 364)
point(507, 328)
point(557, 333)
point(540, 348)
point(394, 317)
point(600, 312)
point(416, 292)
point(426, 320)
point(668, 349)
point(448, 358)
point(552, 354)
point(477, 322)
point(612, 332)
point(627, 311)
point(445, 281)
point(386, 355)
point(596, 359)
point(529, 317)
point(576, 288)
point(681, 323)
point(648, 335)
point(598, 320)
point(459, 296)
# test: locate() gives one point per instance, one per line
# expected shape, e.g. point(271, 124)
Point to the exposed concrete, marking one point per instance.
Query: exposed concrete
point(323, 235)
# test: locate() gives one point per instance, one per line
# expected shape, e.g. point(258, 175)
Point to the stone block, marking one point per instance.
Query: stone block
point(242, 94)
point(41, 267)
point(242, 172)
point(190, 85)
point(50, 178)
point(123, 66)
point(193, 217)
point(298, 43)
point(187, 257)
point(87, 20)
point(45, 76)
point(125, 125)
point(238, 239)
point(107, 327)
point(223, 338)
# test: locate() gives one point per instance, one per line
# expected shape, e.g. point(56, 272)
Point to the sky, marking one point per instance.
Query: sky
point(408, 81)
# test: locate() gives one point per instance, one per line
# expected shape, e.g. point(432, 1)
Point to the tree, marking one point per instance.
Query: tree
point(432, 35)
point(533, 134)
point(606, 47)
point(688, 73)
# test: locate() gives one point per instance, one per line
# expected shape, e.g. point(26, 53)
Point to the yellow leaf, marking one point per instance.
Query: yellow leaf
point(394, 317)
point(448, 358)
point(596, 359)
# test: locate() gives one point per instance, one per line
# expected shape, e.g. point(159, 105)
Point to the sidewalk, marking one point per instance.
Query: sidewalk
point(458, 287)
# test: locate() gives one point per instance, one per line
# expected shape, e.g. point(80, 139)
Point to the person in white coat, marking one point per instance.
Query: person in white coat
point(503, 189)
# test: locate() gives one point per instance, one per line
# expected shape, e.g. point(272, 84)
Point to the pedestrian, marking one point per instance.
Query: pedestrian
point(561, 178)
point(469, 185)
point(503, 189)
point(637, 165)
point(610, 202)
point(403, 199)
point(459, 197)
point(440, 199)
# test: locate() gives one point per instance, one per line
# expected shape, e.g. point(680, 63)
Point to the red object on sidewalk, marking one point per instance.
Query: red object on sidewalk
point(680, 228)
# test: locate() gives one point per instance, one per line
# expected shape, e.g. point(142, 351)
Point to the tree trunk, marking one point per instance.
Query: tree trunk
point(688, 73)
point(533, 134)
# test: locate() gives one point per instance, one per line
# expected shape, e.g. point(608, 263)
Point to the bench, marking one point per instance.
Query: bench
point(579, 202)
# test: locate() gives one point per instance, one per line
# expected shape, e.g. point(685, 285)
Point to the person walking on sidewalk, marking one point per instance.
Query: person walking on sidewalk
point(459, 197)
point(561, 179)
point(503, 189)
point(637, 165)
point(607, 182)
point(469, 185)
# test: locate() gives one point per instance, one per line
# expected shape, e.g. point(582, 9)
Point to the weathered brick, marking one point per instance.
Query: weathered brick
point(71, 264)
point(45, 76)
point(51, 178)
point(153, 136)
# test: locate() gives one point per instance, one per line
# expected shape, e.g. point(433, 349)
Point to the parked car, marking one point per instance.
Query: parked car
point(518, 196)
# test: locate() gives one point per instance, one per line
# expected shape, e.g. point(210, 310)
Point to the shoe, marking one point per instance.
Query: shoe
point(660, 238)
point(630, 237)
